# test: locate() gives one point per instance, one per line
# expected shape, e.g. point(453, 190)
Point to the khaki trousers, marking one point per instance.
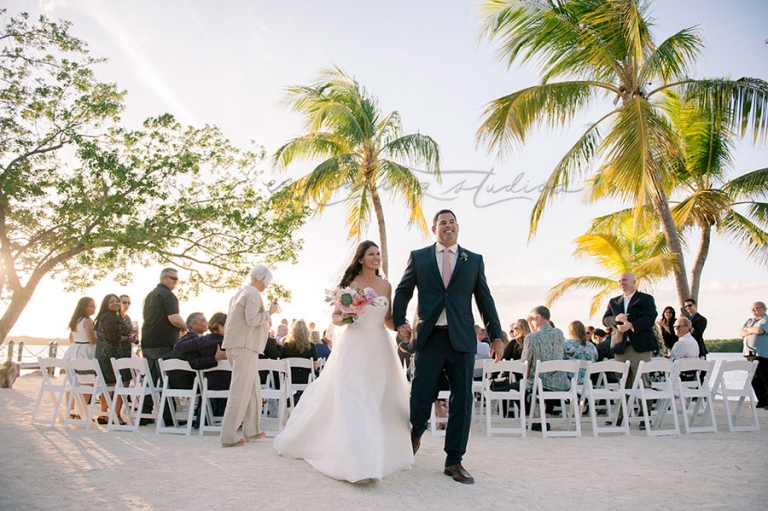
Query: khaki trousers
point(244, 402)
point(634, 361)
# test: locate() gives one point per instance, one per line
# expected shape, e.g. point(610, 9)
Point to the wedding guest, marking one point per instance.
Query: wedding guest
point(577, 347)
point(517, 330)
point(297, 345)
point(666, 322)
point(323, 351)
point(272, 351)
point(755, 335)
point(483, 353)
point(631, 317)
point(686, 345)
point(698, 325)
point(245, 336)
point(542, 344)
point(197, 325)
point(160, 331)
point(602, 342)
point(282, 332)
point(113, 339)
point(125, 304)
point(82, 335)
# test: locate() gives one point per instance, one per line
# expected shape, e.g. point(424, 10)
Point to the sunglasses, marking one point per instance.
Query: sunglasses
point(172, 278)
point(126, 303)
point(679, 326)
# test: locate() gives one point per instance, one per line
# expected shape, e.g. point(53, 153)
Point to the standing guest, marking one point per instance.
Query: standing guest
point(125, 304)
point(698, 325)
point(577, 347)
point(667, 322)
point(447, 276)
point(160, 331)
point(298, 345)
point(631, 316)
point(686, 345)
point(113, 340)
point(517, 330)
point(755, 335)
point(323, 351)
point(312, 327)
point(245, 336)
point(82, 335)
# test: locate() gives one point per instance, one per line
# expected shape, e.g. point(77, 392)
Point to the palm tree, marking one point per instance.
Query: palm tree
point(709, 201)
point(603, 49)
point(627, 248)
point(361, 151)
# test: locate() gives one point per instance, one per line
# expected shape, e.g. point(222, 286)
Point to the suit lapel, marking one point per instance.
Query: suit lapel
point(432, 263)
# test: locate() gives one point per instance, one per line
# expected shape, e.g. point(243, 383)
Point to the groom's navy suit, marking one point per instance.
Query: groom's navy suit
point(439, 349)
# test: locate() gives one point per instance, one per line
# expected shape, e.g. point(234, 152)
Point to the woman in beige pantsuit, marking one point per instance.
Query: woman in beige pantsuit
point(245, 335)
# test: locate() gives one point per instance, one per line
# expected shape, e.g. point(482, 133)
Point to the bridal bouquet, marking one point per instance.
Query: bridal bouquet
point(351, 301)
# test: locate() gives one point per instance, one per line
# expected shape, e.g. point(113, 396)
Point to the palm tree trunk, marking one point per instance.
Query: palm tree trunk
point(701, 258)
point(379, 210)
point(672, 236)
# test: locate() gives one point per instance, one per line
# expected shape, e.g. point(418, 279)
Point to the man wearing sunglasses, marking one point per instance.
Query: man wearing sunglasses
point(162, 324)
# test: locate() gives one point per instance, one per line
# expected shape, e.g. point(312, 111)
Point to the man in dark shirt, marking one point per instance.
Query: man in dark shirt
point(699, 324)
point(161, 327)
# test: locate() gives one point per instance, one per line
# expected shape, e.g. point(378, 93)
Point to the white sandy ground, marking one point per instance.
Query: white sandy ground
point(69, 468)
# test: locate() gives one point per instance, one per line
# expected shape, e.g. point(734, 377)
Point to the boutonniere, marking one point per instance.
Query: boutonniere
point(463, 256)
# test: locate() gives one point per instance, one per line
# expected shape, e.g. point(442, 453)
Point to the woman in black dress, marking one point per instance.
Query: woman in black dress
point(666, 322)
point(113, 339)
point(517, 330)
point(297, 345)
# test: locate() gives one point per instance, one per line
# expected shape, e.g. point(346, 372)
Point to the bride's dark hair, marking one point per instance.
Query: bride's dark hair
point(354, 269)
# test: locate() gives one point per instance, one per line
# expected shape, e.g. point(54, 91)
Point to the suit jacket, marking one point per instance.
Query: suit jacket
point(467, 280)
point(247, 323)
point(699, 324)
point(642, 314)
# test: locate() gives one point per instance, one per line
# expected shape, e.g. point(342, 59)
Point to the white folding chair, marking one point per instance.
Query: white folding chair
point(662, 393)
point(320, 365)
point(280, 390)
point(509, 371)
point(55, 383)
point(300, 363)
point(138, 389)
point(175, 399)
point(478, 397)
point(86, 379)
point(569, 399)
point(208, 421)
point(434, 419)
point(742, 392)
point(611, 393)
point(695, 392)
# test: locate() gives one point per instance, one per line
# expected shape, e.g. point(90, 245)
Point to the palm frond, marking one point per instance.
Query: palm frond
point(418, 149)
point(604, 286)
point(405, 185)
point(673, 58)
point(307, 147)
point(752, 185)
point(358, 211)
point(747, 235)
point(507, 120)
point(610, 250)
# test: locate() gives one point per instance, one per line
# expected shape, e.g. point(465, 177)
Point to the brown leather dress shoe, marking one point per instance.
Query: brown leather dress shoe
point(415, 442)
point(459, 474)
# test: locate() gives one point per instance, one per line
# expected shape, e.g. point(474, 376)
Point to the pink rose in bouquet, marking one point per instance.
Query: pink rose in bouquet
point(352, 302)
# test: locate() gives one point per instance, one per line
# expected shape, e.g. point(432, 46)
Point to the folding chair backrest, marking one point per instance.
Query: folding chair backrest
point(53, 385)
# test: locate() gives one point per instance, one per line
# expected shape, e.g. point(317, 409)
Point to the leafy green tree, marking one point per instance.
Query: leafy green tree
point(604, 50)
point(81, 196)
point(628, 247)
point(361, 150)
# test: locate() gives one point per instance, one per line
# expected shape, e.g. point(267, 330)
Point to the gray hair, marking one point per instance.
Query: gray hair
point(192, 319)
point(167, 271)
point(261, 273)
point(686, 321)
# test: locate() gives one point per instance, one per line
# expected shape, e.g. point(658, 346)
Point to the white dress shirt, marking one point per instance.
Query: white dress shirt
point(453, 256)
point(685, 347)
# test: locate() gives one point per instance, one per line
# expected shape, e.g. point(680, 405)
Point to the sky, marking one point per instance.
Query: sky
point(228, 63)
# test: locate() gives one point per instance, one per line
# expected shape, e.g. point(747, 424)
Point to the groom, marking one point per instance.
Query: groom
point(443, 334)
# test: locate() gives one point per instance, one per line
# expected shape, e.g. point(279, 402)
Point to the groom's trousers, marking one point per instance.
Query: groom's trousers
point(437, 356)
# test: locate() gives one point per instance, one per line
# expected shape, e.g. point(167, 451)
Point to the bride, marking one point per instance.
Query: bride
point(352, 422)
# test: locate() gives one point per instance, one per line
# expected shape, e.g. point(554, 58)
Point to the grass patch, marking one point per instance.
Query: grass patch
point(724, 345)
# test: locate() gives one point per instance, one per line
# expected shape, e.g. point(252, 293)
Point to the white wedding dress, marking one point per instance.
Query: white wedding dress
point(352, 423)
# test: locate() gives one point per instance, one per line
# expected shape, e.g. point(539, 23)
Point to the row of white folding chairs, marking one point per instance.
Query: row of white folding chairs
point(83, 377)
point(616, 400)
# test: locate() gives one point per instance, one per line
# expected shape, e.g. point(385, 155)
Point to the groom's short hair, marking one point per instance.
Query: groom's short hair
point(434, 220)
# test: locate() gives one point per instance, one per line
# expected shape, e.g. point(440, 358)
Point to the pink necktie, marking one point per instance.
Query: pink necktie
point(446, 268)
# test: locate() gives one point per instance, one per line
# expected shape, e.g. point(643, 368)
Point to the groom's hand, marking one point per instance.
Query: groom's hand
point(404, 332)
point(497, 349)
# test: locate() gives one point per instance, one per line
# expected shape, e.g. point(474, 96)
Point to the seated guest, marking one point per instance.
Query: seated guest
point(272, 351)
point(297, 345)
point(602, 342)
point(577, 347)
point(518, 330)
point(323, 351)
point(686, 345)
point(197, 325)
point(483, 352)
